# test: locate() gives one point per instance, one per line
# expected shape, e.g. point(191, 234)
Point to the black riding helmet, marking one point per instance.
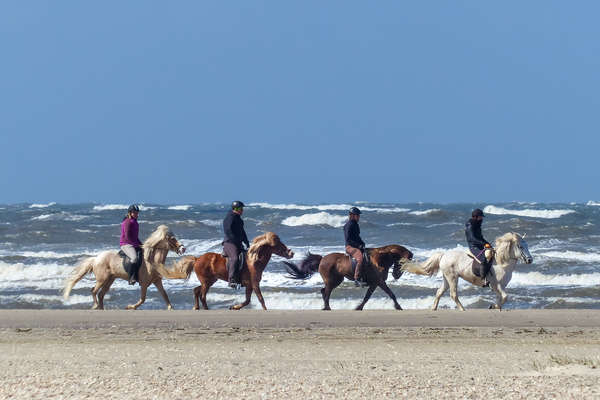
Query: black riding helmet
point(237, 204)
point(133, 208)
point(477, 213)
point(355, 211)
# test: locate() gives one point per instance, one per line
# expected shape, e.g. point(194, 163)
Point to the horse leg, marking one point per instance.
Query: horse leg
point(204, 292)
point(258, 294)
point(197, 298)
point(330, 284)
point(246, 302)
point(159, 285)
point(105, 288)
point(454, 293)
point(143, 289)
point(440, 292)
point(389, 292)
point(501, 296)
point(370, 291)
point(95, 290)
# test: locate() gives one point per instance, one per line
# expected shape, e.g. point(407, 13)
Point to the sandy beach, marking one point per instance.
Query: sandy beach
point(300, 354)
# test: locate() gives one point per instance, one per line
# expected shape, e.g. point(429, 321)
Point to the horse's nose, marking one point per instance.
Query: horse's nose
point(529, 260)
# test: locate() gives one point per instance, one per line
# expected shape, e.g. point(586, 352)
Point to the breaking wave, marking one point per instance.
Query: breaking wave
point(42, 205)
point(321, 218)
point(549, 214)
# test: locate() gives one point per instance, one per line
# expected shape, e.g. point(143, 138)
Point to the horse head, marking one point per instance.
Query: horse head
point(403, 256)
point(269, 242)
point(162, 239)
point(511, 245)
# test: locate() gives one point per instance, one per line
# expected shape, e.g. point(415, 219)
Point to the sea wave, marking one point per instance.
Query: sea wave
point(426, 212)
point(42, 205)
point(539, 279)
point(212, 222)
point(592, 203)
point(197, 247)
point(64, 216)
point(548, 214)
point(179, 208)
point(572, 255)
point(106, 207)
point(110, 207)
point(327, 207)
point(321, 218)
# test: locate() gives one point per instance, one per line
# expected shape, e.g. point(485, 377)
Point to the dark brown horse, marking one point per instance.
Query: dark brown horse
point(211, 267)
point(335, 267)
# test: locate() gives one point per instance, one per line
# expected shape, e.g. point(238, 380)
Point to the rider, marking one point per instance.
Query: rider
point(130, 242)
point(354, 244)
point(477, 244)
point(235, 235)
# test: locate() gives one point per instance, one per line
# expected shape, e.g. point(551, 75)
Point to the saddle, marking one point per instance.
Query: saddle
point(132, 269)
point(489, 255)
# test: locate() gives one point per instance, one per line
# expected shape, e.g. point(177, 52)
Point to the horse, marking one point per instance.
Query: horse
point(335, 266)
point(108, 266)
point(210, 267)
point(510, 247)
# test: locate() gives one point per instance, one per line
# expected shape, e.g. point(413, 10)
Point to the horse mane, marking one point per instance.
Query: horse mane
point(504, 247)
point(267, 239)
point(159, 235)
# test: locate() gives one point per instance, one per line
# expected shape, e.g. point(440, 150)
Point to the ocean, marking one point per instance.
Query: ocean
point(41, 243)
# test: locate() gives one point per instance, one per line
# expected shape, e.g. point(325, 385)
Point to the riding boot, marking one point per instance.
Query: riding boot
point(129, 268)
point(359, 276)
point(485, 268)
point(232, 271)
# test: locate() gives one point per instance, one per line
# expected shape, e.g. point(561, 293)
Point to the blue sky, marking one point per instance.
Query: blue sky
point(187, 101)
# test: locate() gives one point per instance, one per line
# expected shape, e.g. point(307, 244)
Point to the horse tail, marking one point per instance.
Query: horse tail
point(83, 268)
point(181, 269)
point(428, 267)
point(307, 267)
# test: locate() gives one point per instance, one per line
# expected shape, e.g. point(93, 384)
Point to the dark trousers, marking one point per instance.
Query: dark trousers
point(358, 256)
point(233, 253)
point(485, 265)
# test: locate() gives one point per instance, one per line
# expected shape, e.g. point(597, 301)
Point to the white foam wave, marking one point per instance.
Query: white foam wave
point(326, 207)
point(572, 255)
point(109, 207)
point(426, 212)
point(40, 254)
point(106, 207)
point(321, 218)
point(401, 224)
point(198, 247)
point(64, 216)
point(592, 203)
point(539, 279)
point(46, 299)
point(212, 222)
point(42, 205)
point(548, 214)
point(179, 208)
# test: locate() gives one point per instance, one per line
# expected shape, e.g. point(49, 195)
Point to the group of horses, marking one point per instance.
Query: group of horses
point(211, 267)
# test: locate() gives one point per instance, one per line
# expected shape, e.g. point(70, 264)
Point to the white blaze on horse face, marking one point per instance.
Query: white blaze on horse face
point(525, 254)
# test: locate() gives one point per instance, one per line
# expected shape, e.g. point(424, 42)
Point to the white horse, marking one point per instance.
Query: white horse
point(108, 266)
point(510, 247)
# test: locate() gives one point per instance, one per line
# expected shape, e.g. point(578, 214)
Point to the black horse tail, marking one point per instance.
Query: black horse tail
point(307, 267)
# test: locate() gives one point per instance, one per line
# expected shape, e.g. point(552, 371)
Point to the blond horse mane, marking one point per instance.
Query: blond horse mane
point(158, 236)
point(267, 239)
point(504, 247)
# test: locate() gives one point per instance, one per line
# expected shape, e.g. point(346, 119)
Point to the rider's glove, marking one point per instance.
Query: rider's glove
point(488, 246)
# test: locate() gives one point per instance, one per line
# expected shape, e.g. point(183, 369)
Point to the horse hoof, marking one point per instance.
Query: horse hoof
point(195, 308)
point(491, 307)
point(326, 309)
point(170, 307)
point(130, 307)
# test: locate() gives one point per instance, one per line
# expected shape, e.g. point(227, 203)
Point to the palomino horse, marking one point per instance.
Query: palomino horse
point(510, 247)
point(108, 265)
point(335, 266)
point(211, 267)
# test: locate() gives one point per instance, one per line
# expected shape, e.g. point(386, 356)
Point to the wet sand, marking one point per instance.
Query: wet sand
point(300, 354)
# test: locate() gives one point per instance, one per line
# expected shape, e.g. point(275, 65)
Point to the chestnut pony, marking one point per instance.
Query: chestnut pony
point(335, 266)
point(211, 267)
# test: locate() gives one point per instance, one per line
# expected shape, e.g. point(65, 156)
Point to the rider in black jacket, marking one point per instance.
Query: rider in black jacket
point(477, 243)
point(354, 244)
point(235, 235)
